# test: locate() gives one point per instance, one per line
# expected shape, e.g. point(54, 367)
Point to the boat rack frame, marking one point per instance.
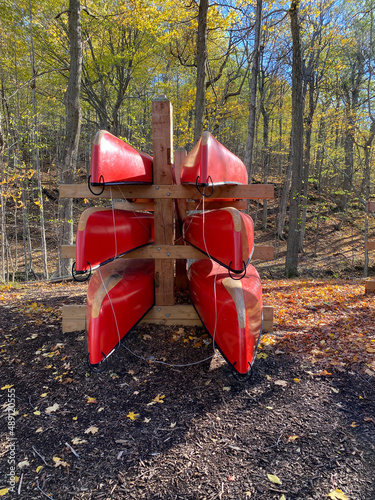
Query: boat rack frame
point(169, 250)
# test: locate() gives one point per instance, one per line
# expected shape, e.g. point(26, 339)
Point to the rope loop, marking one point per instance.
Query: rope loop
point(243, 271)
point(99, 184)
point(209, 178)
point(85, 276)
point(94, 368)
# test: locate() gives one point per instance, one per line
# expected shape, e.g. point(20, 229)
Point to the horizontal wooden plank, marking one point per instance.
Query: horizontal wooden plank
point(148, 205)
point(214, 204)
point(74, 317)
point(370, 285)
point(370, 245)
point(126, 192)
point(171, 252)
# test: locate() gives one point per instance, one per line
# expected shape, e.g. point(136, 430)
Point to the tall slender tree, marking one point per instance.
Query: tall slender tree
point(291, 264)
point(72, 128)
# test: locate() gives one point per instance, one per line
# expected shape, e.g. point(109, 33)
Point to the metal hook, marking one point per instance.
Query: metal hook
point(80, 273)
point(206, 184)
point(242, 271)
point(99, 184)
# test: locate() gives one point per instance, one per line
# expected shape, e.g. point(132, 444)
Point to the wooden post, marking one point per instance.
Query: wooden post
point(162, 132)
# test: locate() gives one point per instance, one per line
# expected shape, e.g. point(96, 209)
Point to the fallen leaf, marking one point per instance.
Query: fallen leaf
point(23, 464)
point(92, 400)
point(39, 468)
point(158, 399)
point(147, 337)
point(338, 495)
point(292, 438)
point(39, 429)
point(354, 425)
point(231, 478)
point(226, 388)
point(173, 424)
point(37, 412)
point(52, 408)
point(147, 420)
point(282, 497)
point(262, 355)
point(91, 430)
point(283, 383)
point(6, 387)
point(4, 491)
point(132, 415)
point(370, 350)
point(45, 394)
point(59, 462)
point(78, 441)
point(296, 380)
point(274, 479)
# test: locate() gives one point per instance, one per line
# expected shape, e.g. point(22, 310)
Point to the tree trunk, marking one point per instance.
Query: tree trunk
point(36, 152)
point(2, 202)
point(200, 95)
point(306, 165)
point(248, 159)
point(291, 264)
point(72, 129)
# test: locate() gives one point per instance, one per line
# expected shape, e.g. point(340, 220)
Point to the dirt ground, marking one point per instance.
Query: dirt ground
point(303, 426)
point(168, 420)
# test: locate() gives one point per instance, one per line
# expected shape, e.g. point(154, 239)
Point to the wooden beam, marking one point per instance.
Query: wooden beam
point(74, 317)
point(159, 191)
point(370, 285)
point(370, 245)
point(172, 252)
point(162, 140)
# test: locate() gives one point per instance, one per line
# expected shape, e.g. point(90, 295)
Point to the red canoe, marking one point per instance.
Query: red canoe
point(231, 310)
point(118, 296)
point(104, 234)
point(209, 162)
point(226, 235)
point(113, 161)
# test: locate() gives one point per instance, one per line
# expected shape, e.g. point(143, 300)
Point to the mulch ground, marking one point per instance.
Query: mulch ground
point(302, 427)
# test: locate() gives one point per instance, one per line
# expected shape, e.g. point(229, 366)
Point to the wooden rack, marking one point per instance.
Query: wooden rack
point(370, 283)
point(161, 196)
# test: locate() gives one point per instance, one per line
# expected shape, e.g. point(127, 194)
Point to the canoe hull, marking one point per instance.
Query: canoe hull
point(104, 234)
point(231, 310)
point(226, 235)
point(119, 295)
point(113, 161)
point(209, 162)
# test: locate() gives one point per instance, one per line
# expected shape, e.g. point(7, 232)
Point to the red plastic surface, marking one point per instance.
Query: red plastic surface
point(231, 310)
point(225, 235)
point(116, 162)
point(119, 295)
point(209, 161)
point(104, 234)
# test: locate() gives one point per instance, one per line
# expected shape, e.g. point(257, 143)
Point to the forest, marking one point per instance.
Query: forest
point(286, 86)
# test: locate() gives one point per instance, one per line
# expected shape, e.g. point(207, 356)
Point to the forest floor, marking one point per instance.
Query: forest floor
point(302, 427)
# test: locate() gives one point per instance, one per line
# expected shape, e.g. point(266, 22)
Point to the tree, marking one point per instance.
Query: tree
point(291, 264)
point(248, 160)
point(72, 128)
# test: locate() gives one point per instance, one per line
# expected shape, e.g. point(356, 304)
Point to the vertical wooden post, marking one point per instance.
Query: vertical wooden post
point(181, 275)
point(162, 139)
